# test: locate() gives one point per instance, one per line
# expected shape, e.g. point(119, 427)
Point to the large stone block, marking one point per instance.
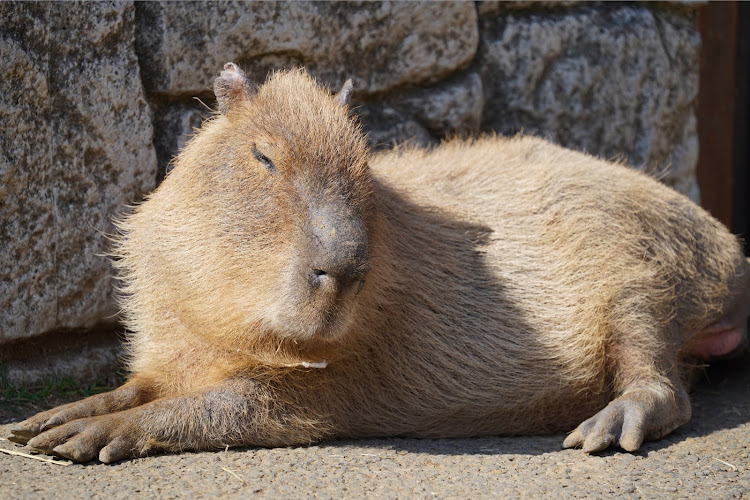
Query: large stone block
point(452, 107)
point(175, 123)
point(380, 45)
point(615, 81)
point(27, 228)
point(76, 148)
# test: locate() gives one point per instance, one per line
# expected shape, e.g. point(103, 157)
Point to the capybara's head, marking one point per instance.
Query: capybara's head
point(291, 189)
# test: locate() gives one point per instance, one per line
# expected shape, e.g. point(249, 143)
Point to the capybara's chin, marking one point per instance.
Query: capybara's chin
point(319, 315)
point(313, 324)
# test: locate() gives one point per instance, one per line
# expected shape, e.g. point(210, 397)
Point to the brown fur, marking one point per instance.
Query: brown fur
point(512, 287)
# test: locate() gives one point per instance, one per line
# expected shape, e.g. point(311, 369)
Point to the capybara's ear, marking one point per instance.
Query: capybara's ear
point(231, 87)
point(345, 93)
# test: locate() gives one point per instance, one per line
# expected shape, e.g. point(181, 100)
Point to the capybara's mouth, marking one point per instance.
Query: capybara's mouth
point(334, 314)
point(333, 321)
point(330, 323)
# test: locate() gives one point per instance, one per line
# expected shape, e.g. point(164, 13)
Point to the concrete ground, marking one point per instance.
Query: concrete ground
point(707, 458)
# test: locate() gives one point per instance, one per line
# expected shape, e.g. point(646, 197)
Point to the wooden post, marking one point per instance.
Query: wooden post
point(717, 23)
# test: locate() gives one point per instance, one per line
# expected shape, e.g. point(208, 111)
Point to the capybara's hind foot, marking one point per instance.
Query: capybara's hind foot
point(629, 420)
point(621, 422)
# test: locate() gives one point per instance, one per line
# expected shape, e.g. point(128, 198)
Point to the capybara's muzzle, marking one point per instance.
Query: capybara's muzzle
point(339, 254)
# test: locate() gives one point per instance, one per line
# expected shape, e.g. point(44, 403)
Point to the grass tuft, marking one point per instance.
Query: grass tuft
point(52, 387)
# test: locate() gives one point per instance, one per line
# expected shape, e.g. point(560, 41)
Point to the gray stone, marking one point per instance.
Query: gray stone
point(27, 229)
point(422, 116)
point(78, 148)
point(174, 125)
point(451, 108)
point(387, 126)
point(485, 7)
point(84, 356)
point(612, 80)
point(380, 45)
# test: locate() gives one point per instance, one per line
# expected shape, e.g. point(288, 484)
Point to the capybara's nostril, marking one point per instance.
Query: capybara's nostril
point(316, 277)
point(337, 279)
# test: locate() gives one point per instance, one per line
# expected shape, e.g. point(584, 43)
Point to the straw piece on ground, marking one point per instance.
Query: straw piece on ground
point(232, 473)
point(36, 457)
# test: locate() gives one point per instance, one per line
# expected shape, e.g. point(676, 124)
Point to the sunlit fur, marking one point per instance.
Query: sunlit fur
point(214, 255)
point(514, 287)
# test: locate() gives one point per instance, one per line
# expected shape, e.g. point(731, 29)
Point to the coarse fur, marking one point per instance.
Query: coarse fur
point(282, 287)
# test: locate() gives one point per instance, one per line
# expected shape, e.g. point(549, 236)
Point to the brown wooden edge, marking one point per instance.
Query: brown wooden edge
point(717, 24)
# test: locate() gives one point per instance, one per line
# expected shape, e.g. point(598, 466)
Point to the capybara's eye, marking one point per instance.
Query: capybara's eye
point(264, 160)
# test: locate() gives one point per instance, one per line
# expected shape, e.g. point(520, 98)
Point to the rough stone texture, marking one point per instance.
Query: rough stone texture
point(27, 231)
point(380, 45)
point(485, 7)
point(453, 107)
point(75, 149)
point(612, 80)
point(174, 125)
point(387, 125)
point(85, 356)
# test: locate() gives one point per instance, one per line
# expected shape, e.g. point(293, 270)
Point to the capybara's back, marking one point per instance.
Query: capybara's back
point(283, 286)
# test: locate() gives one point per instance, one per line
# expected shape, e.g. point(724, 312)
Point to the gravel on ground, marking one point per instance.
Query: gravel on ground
point(707, 458)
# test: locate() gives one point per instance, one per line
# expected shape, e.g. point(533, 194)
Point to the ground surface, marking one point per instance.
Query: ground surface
point(707, 458)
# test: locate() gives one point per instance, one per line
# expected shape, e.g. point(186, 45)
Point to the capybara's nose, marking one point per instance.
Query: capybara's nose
point(339, 254)
point(337, 281)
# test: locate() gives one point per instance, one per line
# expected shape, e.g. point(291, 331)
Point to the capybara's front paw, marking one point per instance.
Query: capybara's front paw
point(132, 394)
point(23, 431)
point(110, 437)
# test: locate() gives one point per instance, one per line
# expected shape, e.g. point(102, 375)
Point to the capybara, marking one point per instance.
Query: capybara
point(284, 286)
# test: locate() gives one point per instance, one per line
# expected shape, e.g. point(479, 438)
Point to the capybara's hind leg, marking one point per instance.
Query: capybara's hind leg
point(649, 398)
point(133, 393)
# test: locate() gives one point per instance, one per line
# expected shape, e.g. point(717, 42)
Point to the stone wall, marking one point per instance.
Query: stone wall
point(76, 145)
point(97, 97)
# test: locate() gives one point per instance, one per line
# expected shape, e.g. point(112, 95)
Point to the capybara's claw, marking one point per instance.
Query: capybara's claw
point(65, 441)
point(573, 440)
point(52, 422)
point(23, 431)
point(20, 434)
point(27, 429)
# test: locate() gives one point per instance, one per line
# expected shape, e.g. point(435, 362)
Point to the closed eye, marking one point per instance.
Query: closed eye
point(264, 160)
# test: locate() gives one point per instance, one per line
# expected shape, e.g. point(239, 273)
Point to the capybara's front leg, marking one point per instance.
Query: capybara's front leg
point(231, 413)
point(133, 393)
